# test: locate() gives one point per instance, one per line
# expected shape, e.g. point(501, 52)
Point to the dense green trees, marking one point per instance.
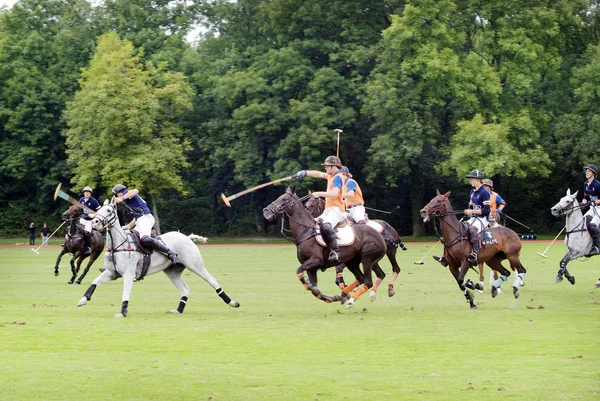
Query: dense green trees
point(425, 91)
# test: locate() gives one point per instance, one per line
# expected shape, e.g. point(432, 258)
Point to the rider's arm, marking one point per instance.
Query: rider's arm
point(332, 193)
point(316, 174)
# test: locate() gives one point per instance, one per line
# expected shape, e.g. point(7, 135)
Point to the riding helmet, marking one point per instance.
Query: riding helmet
point(591, 167)
point(332, 161)
point(476, 174)
point(488, 182)
point(87, 189)
point(118, 188)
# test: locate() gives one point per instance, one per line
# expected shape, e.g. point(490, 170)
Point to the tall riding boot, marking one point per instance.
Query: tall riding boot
point(329, 236)
point(87, 240)
point(159, 246)
point(595, 233)
point(474, 237)
point(441, 259)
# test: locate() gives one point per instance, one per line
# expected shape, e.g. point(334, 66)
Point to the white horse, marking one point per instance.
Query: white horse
point(122, 259)
point(578, 240)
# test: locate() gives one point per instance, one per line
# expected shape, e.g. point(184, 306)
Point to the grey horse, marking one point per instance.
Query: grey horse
point(122, 260)
point(578, 240)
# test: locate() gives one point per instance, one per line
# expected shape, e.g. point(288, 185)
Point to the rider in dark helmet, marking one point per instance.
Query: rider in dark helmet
point(86, 220)
point(591, 195)
point(142, 219)
point(334, 205)
point(479, 209)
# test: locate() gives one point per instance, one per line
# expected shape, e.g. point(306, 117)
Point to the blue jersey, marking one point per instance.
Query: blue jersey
point(136, 205)
point(92, 203)
point(591, 192)
point(480, 200)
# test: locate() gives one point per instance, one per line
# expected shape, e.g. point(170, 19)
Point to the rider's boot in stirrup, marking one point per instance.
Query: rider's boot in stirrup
point(441, 259)
point(87, 241)
point(329, 236)
point(159, 246)
point(474, 237)
point(595, 233)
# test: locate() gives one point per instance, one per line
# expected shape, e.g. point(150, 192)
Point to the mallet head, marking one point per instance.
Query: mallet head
point(225, 200)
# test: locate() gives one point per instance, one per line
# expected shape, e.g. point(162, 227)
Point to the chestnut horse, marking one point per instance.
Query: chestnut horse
point(368, 248)
point(500, 243)
point(75, 244)
point(315, 206)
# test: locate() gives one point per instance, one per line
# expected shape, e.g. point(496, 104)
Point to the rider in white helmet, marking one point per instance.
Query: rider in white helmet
point(591, 195)
point(86, 221)
point(143, 220)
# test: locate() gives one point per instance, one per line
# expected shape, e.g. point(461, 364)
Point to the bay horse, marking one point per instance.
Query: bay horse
point(368, 247)
point(316, 206)
point(500, 243)
point(124, 259)
point(577, 239)
point(75, 245)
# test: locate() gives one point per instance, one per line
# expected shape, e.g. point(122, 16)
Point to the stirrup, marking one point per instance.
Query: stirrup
point(173, 257)
point(334, 256)
point(472, 258)
point(441, 260)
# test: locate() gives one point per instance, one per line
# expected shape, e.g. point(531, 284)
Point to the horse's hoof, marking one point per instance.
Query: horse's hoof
point(479, 287)
point(473, 306)
point(558, 279)
point(56, 272)
point(391, 292)
point(571, 280)
point(516, 292)
point(234, 303)
point(494, 292)
point(119, 315)
point(82, 301)
point(597, 284)
point(373, 296)
point(174, 312)
point(78, 282)
point(350, 303)
point(70, 282)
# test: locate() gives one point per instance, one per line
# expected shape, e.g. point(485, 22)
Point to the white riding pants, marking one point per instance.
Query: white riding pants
point(144, 224)
point(357, 213)
point(594, 211)
point(87, 224)
point(332, 215)
point(480, 223)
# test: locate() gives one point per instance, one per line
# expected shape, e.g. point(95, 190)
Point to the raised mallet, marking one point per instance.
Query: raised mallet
point(50, 236)
point(543, 255)
point(60, 194)
point(339, 131)
point(228, 199)
point(420, 262)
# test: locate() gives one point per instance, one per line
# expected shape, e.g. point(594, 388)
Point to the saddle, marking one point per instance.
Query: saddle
point(142, 267)
point(344, 234)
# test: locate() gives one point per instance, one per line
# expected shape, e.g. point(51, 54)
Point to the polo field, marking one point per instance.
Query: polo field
point(283, 344)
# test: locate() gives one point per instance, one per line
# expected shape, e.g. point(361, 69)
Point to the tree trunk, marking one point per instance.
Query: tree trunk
point(417, 188)
point(155, 213)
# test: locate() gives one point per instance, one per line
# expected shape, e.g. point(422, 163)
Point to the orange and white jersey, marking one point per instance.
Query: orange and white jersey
point(349, 186)
point(335, 181)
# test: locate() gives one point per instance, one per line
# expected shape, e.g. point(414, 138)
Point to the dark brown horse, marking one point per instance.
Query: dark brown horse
point(75, 244)
point(315, 206)
point(368, 248)
point(499, 243)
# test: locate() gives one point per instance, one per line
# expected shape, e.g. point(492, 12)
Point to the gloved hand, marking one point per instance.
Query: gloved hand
point(299, 175)
point(126, 228)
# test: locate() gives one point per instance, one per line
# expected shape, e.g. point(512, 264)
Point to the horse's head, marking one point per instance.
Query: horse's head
point(106, 216)
point(436, 207)
point(284, 204)
point(72, 213)
point(565, 205)
point(315, 206)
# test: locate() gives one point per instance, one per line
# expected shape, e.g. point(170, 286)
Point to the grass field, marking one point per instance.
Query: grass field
point(283, 344)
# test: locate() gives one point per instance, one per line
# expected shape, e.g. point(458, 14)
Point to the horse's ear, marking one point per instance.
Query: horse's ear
point(105, 202)
point(438, 192)
point(447, 194)
point(568, 191)
point(575, 194)
point(310, 192)
point(293, 190)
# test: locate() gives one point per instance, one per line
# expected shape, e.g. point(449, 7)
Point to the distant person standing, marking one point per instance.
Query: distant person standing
point(32, 234)
point(45, 232)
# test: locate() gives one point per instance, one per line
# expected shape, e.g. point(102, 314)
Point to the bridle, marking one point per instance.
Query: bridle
point(437, 212)
point(567, 210)
point(107, 222)
point(287, 208)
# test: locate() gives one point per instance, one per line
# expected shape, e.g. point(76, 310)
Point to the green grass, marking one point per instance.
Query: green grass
point(283, 344)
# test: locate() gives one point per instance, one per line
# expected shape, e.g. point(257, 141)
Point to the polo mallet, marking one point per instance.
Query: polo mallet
point(420, 262)
point(227, 199)
point(543, 255)
point(382, 211)
point(60, 194)
point(339, 131)
point(38, 248)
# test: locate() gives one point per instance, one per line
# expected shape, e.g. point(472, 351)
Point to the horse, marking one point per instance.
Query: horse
point(368, 247)
point(123, 258)
point(500, 243)
point(315, 206)
point(75, 244)
point(577, 239)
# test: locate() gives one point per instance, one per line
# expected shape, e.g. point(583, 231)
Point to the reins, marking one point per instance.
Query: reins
point(282, 210)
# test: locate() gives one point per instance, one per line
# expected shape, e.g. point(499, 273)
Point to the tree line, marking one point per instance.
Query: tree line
point(100, 93)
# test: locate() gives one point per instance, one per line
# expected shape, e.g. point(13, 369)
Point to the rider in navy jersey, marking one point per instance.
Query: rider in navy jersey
point(478, 211)
point(86, 221)
point(143, 220)
point(591, 195)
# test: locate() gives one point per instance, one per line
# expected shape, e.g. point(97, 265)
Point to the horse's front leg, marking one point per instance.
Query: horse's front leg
point(128, 278)
point(380, 277)
point(60, 255)
point(308, 266)
point(91, 261)
point(459, 274)
point(562, 271)
point(74, 270)
point(367, 283)
point(107, 275)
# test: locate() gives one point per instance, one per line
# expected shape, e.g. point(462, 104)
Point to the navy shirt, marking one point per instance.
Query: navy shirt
point(136, 205)
point(480, 200)
point(591, 192)
point(92, 203)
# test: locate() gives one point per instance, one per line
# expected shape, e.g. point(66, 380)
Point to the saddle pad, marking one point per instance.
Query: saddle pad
point(487, 238)
point(345, 236)
point(375, 225)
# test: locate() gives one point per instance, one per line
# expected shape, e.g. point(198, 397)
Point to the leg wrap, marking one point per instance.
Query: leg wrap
point(223, 296)
point(182, 304)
